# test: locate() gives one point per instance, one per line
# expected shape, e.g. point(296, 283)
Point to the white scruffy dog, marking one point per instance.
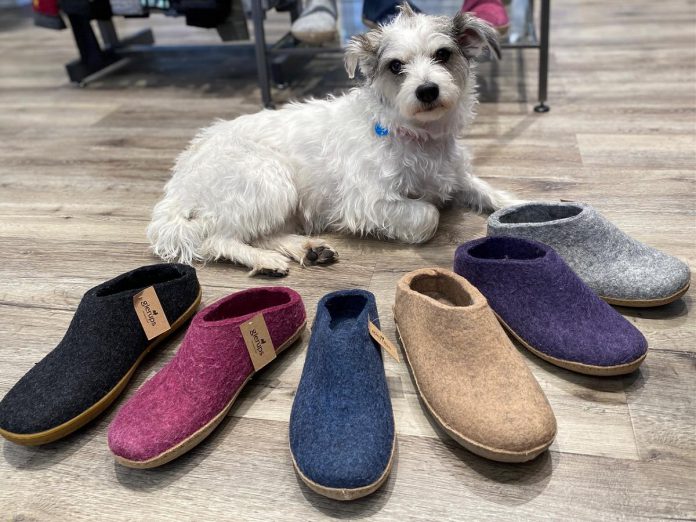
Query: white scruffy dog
point(379, 160)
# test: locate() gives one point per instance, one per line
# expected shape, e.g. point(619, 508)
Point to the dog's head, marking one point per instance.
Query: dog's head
point(420, 64)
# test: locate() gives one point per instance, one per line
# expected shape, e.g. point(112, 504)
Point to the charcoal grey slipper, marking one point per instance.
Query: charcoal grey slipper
point(116, 324)
point(621, 270)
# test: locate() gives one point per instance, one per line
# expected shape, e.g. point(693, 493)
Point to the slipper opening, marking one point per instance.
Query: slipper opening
point(442, 289)
point(539, 213)
point(345, 309)
point(502, 247)
point(246, 303)
point(140, 279)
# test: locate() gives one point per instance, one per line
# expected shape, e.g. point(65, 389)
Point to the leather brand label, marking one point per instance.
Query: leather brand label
point(150, 313)
point(385, 343)
point(258, 341)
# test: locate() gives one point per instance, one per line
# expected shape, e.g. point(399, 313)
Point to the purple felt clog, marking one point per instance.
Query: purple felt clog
point(546, 306)
point(224, 347)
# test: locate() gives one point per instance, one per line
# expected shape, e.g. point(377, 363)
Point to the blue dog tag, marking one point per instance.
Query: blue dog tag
point(381, 131)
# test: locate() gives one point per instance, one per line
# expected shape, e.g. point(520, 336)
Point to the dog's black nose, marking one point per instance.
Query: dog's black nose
point(428, 92)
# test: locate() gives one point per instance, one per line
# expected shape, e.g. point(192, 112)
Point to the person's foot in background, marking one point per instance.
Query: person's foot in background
point(317, 23)
point(491, 11)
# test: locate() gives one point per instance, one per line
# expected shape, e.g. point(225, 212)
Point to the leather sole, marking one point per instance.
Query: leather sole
point(482, 450)
point(348, 493)
point(587, 369)
point(647, 303)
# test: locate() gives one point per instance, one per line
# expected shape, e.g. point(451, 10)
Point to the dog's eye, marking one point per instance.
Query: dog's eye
point(442, 55)
point(395, 66)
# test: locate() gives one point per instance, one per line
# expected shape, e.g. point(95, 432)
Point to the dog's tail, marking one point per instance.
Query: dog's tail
point(176, 233)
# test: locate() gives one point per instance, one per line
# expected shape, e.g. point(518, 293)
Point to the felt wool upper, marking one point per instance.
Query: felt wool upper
point(610, 262)
point(342, 425)
point(465, 366)
point(210, 367)
point(537, 295)
point(102, 343)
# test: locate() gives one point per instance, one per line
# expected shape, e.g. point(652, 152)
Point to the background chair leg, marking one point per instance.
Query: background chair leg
point(108, 33)
point(257, 16)
point(295, 11)
point(544, 57)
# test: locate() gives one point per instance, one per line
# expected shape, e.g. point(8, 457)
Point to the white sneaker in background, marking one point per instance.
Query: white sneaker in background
point(317, 23)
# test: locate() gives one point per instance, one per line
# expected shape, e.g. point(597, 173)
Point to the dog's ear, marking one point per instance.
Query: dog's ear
point(473, 35)
point(362, 52)
point(406, 10)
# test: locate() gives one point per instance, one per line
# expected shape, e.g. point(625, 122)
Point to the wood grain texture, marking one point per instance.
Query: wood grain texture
point(80, 170)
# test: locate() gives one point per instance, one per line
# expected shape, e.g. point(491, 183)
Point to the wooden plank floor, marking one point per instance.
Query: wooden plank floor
point(81, 168)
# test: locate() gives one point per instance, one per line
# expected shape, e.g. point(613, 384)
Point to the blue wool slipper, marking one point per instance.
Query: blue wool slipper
point(342, 437)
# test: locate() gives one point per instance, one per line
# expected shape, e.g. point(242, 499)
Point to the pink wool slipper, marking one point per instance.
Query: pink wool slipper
point(226, 344)
point(491, 11)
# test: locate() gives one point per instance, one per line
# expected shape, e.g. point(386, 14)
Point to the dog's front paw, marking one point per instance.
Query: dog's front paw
point(319, 255)
point(272, 265)
point(272, 272)
point(419, 223)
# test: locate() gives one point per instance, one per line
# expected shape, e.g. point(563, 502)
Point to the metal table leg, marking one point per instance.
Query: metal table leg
point(92, 57)
point(257, 16)
point(108, 33)
point(544, 56)
point(295, 11)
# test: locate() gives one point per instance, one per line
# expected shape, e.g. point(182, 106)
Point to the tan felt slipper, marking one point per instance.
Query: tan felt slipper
point(471, 378)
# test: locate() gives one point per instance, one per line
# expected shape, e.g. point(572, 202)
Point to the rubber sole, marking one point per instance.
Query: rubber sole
point(68, 427)
point(647, 303)
point(199, 435)
point(586, 369)
point(316, 37)
point(345, 494)
point(498, 455)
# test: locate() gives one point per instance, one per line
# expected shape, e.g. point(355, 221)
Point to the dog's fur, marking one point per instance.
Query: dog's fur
point(243, 187)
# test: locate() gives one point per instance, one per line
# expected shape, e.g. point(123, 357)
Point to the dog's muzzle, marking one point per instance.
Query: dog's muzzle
point(427, 92)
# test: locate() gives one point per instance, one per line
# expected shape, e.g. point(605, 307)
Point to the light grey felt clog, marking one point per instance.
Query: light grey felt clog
point(618, 268)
